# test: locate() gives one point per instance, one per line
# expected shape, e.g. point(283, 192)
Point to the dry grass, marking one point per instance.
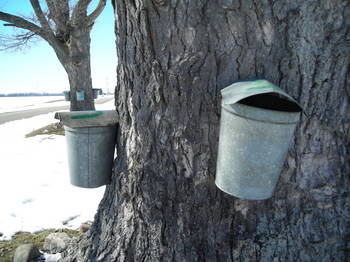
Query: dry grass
point(52, 129)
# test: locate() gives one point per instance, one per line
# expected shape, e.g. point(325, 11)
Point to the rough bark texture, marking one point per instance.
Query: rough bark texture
point(77, 65)
point(174, 58)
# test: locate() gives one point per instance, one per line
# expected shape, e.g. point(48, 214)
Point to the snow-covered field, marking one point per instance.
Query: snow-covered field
point(9, 104)
point(35, 192)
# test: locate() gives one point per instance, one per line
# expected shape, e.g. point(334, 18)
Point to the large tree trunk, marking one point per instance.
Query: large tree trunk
point(174, 58)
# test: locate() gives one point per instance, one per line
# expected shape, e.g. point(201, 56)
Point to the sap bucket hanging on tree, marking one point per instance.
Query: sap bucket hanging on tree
point(257, 123)
point(90, 137)
point(96, 92)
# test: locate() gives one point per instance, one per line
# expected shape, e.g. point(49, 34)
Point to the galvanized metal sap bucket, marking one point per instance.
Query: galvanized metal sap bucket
point(96, 92)
point(257, 123)
point(90, 137)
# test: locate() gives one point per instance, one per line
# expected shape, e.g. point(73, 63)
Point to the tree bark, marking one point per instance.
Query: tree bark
point(174, 57)
point(78, 69)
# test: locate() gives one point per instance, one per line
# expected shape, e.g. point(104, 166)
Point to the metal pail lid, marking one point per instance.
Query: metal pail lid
point(240, 90)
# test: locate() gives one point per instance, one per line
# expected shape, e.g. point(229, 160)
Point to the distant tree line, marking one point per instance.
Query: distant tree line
point(31, 94)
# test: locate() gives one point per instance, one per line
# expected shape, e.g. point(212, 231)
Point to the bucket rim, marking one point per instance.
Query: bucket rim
point(246, 88)
point(226, 108)
point(88, 118)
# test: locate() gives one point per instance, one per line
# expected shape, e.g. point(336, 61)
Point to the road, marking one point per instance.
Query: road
point(17, 115)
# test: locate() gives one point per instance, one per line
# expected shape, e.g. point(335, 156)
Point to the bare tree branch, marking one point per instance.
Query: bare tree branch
point(80, 11)
point(18, 41)
point(40, 15)
point(59, 13)
point(92, 17)
point(22, 23)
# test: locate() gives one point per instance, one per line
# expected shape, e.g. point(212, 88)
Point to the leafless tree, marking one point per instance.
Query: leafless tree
point(66, 26)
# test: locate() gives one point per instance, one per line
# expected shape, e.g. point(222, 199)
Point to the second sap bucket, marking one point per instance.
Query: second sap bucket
point(257, 123)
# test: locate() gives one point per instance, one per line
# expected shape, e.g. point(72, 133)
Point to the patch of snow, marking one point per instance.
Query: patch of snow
point(11, 104)
point(35, 190)
point(52, 257)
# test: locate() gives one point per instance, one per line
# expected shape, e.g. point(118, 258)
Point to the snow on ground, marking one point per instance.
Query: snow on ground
point(9, 104)
point(35, 192)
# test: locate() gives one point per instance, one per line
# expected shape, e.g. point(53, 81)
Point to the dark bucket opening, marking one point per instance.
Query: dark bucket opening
point(271, 101)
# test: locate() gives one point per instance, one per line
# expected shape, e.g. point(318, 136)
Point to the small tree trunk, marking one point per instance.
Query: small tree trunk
point(80, 81)
point(78, 69)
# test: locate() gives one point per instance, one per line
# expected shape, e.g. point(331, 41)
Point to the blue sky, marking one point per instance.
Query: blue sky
point(37, 68)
